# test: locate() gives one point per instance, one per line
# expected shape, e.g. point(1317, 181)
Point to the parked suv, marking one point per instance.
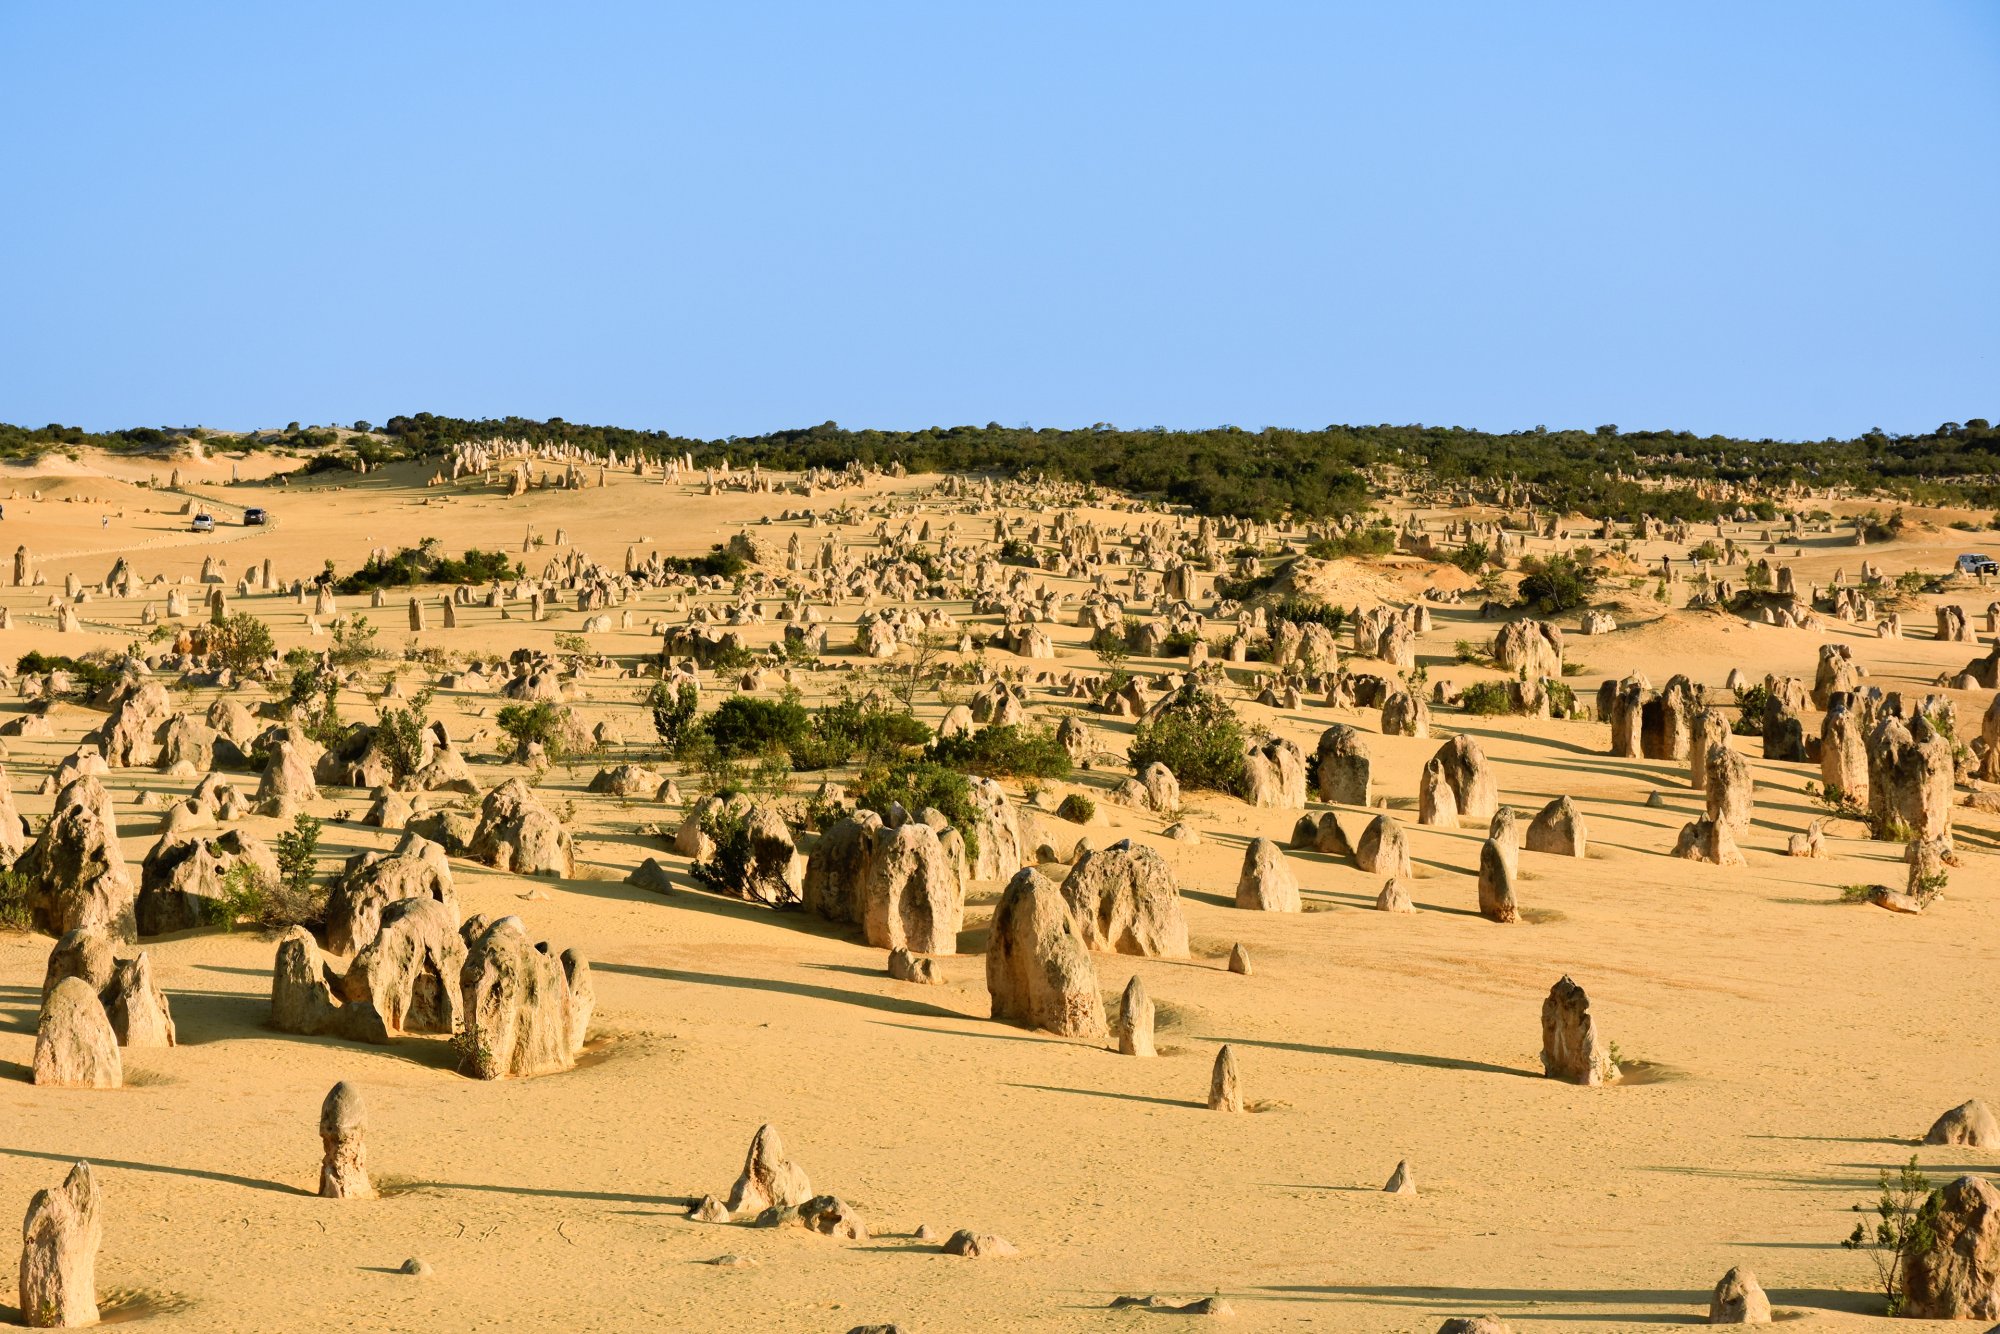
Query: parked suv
point(254, 517)
point(1976, 563)
point(204, 523)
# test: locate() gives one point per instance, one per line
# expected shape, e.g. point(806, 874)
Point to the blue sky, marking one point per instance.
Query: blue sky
point(1766, 219)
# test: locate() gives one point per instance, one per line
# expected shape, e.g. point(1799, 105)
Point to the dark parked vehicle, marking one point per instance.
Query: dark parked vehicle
point(255, 517)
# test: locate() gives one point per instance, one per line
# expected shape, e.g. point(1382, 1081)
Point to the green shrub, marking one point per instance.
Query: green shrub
point(1005, 751)
point(1562, 698)
point(1077, 809)
point(1309, 611)
point(426, 564)
point(541, 723)
point(1472, 557)
point(920, 783)
point(727, 867)
point(1377, 539)
point(1197, 736)
point(1486, 698)
point(353, 642)
point(848, 730)
point(16, 901)
point(89, 674)
point(673, 710)
point(1562, 582)
point(719, 562)
point(1905, 1227)
point(1017, 551)
point(1751, 704)
point(744, 725)
point(399, 737)
point(242, 641)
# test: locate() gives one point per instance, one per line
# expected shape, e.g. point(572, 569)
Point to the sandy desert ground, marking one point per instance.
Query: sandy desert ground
point(1791, 1046)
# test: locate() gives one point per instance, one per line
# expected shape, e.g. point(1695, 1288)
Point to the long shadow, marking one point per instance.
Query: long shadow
point(963, 1033)
point(203, 1174)
point(237, 972)
point(1829, 1299)
point(891, 1004)
point(1370, 1054)
point(202, 1017)
point(1106, 1093)
point(397, 1186)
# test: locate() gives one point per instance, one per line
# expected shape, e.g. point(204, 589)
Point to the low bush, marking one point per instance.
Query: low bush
point(1198, 737)
point(1077, 809)
point(744, 725)
point(1005, 751)
point(920, 783)
point(848, 730)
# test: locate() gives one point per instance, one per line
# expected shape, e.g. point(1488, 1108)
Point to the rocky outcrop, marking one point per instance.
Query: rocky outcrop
point(59, 1242)
point(76, 870)
point(1472, 780)
point(525, 1013)
point(836, 877)
point(517, 833)
point(1127, 902)
point(416, 868)
point(75, 1045)
point(1559, 830)
point(913, 898)
point(1958, 1276)
point(1342, 769)
point(1038, 966)
point(1266, 883)
point(1572, 1048)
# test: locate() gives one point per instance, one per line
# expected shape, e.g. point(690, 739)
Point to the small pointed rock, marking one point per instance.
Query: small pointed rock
point(1239, 960)
point(1401, 1181)
point(1739, 1300)
point(343, 1122)
point(59, 1244)
point(1970, 1123)
point(1135, 1025)
point(1395, 897)
point(1225, 1086)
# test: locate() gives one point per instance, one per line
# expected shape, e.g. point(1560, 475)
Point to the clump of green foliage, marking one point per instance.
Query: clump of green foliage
point(427, 564)
point(727, 866)
point(353, 643)
point(1377, 539)
point(543, 723)
point(1198, 737)
point(241, 641)
point(292, 899)
point(1077, 809)
point(1472, 558)
point(746, 725)
point(673, 709)
point(720, 562)
point(1486, 698)
point(1561, 582)
point(88, 675)
point(1751, 704)
point(1905, 1227)
point(312, 696)
point(399, 737)
point(16, 900)
point(1007, 750)
point(1309, 611)
point(1017, 551)
point(920, 783)
point(848, 730)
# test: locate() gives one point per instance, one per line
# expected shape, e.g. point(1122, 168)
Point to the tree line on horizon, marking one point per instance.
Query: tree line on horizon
point(1227, 470)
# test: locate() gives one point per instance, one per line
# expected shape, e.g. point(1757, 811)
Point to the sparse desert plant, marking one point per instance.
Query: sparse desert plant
point(16, 891)
point(1905, 1226)
point(1197, 736)
point(1005, 751)
point(1077, 809)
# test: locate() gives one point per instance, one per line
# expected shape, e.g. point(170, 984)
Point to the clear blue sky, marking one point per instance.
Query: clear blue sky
point(1762, 218)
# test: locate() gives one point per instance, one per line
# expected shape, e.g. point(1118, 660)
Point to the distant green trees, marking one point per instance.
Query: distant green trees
point(1227, 470)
